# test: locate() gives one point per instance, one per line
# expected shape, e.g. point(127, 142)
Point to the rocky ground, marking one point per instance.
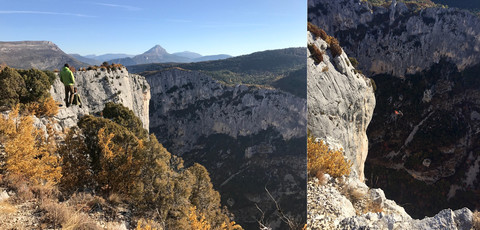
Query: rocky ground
point(19, 212)
point(347, 203)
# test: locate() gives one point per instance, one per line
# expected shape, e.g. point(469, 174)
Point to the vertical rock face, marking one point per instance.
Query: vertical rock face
point(340, 104)
point(248, 138)
point(97, 87)
point(396, 40)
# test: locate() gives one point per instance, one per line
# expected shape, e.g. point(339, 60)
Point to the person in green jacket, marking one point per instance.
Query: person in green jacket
point(67, 78)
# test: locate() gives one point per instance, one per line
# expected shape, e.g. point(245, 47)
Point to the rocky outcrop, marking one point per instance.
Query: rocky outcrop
point(249, 138)
point(396, 40)
point(35, 54)
point(97, 87)
point(337, 204)
point(340, 104)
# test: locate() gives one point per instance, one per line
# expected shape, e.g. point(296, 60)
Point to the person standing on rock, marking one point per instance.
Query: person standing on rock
point(67, 78)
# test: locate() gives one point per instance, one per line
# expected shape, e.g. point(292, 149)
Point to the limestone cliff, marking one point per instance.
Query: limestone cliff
point(248, 137)
point(340, 104)
point(97, 87)
point(397, 40)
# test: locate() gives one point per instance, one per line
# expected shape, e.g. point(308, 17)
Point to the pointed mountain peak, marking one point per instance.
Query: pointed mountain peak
point(158, 50)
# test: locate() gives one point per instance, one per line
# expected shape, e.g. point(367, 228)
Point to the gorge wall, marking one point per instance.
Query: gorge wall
point(249, 138)
point(396, 40)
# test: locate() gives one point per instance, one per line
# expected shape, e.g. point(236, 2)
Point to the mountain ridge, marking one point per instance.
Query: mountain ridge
point(271, 68)
point(158, 54)
point(35, 54)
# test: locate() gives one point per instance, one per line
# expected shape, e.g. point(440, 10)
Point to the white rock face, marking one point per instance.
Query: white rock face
point(396, 40)
point(340, 104)
point(326, 206)
point(97, 87)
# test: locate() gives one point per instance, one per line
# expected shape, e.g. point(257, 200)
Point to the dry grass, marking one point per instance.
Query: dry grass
point(143, 224)
point(7, 208)
point(476, 220)
point(316, 31)
point(322, 159)
point(20, 186)
point(360, 199)
point(86, 202)
point(115, 198)
point(317, 55)
point(59, 215)
point(335, 48)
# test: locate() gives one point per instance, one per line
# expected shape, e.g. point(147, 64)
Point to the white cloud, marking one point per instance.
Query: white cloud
point(43, 12)
point(237, 25)
point(132, 8)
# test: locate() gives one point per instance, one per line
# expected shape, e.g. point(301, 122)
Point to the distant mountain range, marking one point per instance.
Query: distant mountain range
point(158, 54)
point(98, 60)
point(283, 69)
point(47, 55)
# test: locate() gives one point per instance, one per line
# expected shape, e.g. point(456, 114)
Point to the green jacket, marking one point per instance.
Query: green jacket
point(66, 76)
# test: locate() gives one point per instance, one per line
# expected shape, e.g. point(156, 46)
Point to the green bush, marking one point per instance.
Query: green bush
point(51, 76)
point(12, 87)
point(124, 117)
point(37, 84)
point(353, 61)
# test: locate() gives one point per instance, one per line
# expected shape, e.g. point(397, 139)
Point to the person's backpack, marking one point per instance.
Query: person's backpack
point(77, 100)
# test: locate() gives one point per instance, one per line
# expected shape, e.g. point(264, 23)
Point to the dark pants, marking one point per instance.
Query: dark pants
point(68, 95)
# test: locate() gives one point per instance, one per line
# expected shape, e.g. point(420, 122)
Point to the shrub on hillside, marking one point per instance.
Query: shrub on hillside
point(316, 54)
point(76, 162)
point(46, 107)
point(51, 76)
point(316, 31)
point(12, 87)
point(353, 61)
point(29, 155)
point(38, 87)
point(335, 48)
point(332, 42)
point(114, 152)
point(124, 117)
point(321, 160)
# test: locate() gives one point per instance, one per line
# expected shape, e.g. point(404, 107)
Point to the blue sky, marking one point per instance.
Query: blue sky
point(207, 27)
